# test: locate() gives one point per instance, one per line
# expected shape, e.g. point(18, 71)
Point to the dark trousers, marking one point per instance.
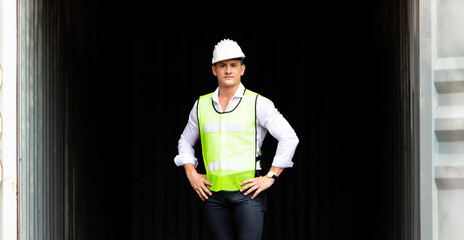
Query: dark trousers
point(233, 216)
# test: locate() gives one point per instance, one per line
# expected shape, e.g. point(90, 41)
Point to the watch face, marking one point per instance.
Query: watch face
point(270, 174)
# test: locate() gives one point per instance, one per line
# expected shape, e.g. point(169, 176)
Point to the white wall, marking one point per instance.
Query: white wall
point(8, 188)
point(442, 119)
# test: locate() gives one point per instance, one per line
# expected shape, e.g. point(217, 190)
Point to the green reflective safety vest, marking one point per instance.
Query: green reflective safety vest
point(228, 142)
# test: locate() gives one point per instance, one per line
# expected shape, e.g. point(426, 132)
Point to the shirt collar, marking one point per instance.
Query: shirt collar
point(238, 93)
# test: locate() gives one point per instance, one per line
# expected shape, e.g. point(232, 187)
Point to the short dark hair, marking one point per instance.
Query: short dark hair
point(239, 58)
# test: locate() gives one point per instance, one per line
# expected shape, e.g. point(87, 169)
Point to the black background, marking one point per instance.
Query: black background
point(325, 65)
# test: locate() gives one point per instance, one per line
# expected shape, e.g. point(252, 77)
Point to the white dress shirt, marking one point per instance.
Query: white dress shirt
point(268, 119)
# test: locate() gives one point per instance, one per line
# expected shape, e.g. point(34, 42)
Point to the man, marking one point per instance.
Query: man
point(232, 123)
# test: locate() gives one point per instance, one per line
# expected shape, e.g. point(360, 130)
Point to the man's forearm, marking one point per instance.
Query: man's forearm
point(190, 169)
point(276, 170)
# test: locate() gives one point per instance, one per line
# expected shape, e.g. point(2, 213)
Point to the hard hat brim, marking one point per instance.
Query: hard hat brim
point(224, 59)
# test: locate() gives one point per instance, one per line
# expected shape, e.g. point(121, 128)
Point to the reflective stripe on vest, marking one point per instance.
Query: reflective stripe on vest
point(228, 142)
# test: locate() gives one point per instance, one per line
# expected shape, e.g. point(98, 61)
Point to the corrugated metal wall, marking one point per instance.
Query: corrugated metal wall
point(395, 118)
point(47, 179)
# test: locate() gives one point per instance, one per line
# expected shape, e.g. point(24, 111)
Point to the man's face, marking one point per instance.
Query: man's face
point(228, 72)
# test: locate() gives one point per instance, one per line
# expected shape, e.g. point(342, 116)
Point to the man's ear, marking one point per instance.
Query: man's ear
point(243, 69)
point(213, 67)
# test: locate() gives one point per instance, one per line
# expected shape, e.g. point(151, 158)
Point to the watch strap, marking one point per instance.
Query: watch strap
point(272, 175)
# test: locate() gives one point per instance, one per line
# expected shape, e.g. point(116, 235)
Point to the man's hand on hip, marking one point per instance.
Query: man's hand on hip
point(198, 182)
point(257, 184)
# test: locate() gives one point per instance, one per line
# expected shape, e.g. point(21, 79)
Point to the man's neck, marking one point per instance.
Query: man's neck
point(227, 92)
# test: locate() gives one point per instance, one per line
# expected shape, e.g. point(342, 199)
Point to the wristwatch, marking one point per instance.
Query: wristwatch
point(271, 174)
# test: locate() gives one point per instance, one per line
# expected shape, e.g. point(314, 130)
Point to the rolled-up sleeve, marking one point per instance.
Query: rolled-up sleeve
point(271, 119)
point(187, 140)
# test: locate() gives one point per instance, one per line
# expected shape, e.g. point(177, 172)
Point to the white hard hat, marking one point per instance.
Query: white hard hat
point(226, 49)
